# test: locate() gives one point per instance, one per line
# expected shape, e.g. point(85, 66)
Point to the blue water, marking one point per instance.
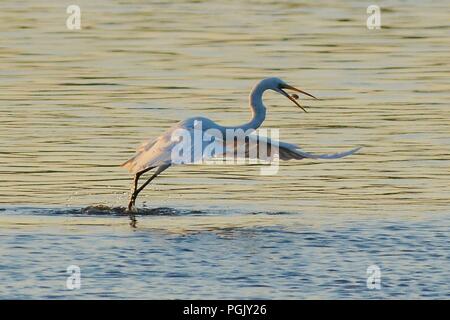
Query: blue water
point(290, 256)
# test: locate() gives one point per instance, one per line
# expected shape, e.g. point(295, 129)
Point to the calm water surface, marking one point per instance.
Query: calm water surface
point(75, 104)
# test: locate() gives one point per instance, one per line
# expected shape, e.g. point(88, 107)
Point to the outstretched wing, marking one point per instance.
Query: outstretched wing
point(185, 143)
point(264, 148)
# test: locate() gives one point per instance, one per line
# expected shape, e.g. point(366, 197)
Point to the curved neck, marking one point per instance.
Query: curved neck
point(257, 107)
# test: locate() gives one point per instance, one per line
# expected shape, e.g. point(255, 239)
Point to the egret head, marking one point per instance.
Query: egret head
point(278, 85)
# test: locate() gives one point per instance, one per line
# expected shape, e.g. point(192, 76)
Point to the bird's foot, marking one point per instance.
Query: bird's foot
point(133, 221)
point(130, 207)
point(132, 204)
point(131, 210)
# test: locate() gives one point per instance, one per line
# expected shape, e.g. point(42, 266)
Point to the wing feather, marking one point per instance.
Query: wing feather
point(285, 151)
point(158, 152)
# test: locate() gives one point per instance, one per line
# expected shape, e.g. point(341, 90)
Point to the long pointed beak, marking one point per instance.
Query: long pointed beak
point(286, 86)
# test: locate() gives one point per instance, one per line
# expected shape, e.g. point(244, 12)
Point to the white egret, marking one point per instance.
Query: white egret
point(158, 154)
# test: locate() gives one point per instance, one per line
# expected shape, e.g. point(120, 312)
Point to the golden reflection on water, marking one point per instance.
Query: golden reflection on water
point(75, 104)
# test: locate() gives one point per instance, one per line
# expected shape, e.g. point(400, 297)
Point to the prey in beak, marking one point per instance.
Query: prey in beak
point(294, 97)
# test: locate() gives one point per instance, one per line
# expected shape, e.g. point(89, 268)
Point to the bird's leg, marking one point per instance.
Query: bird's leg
point(158, 171)
point(135, 187)
point(132, 195)
point(136, 190)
